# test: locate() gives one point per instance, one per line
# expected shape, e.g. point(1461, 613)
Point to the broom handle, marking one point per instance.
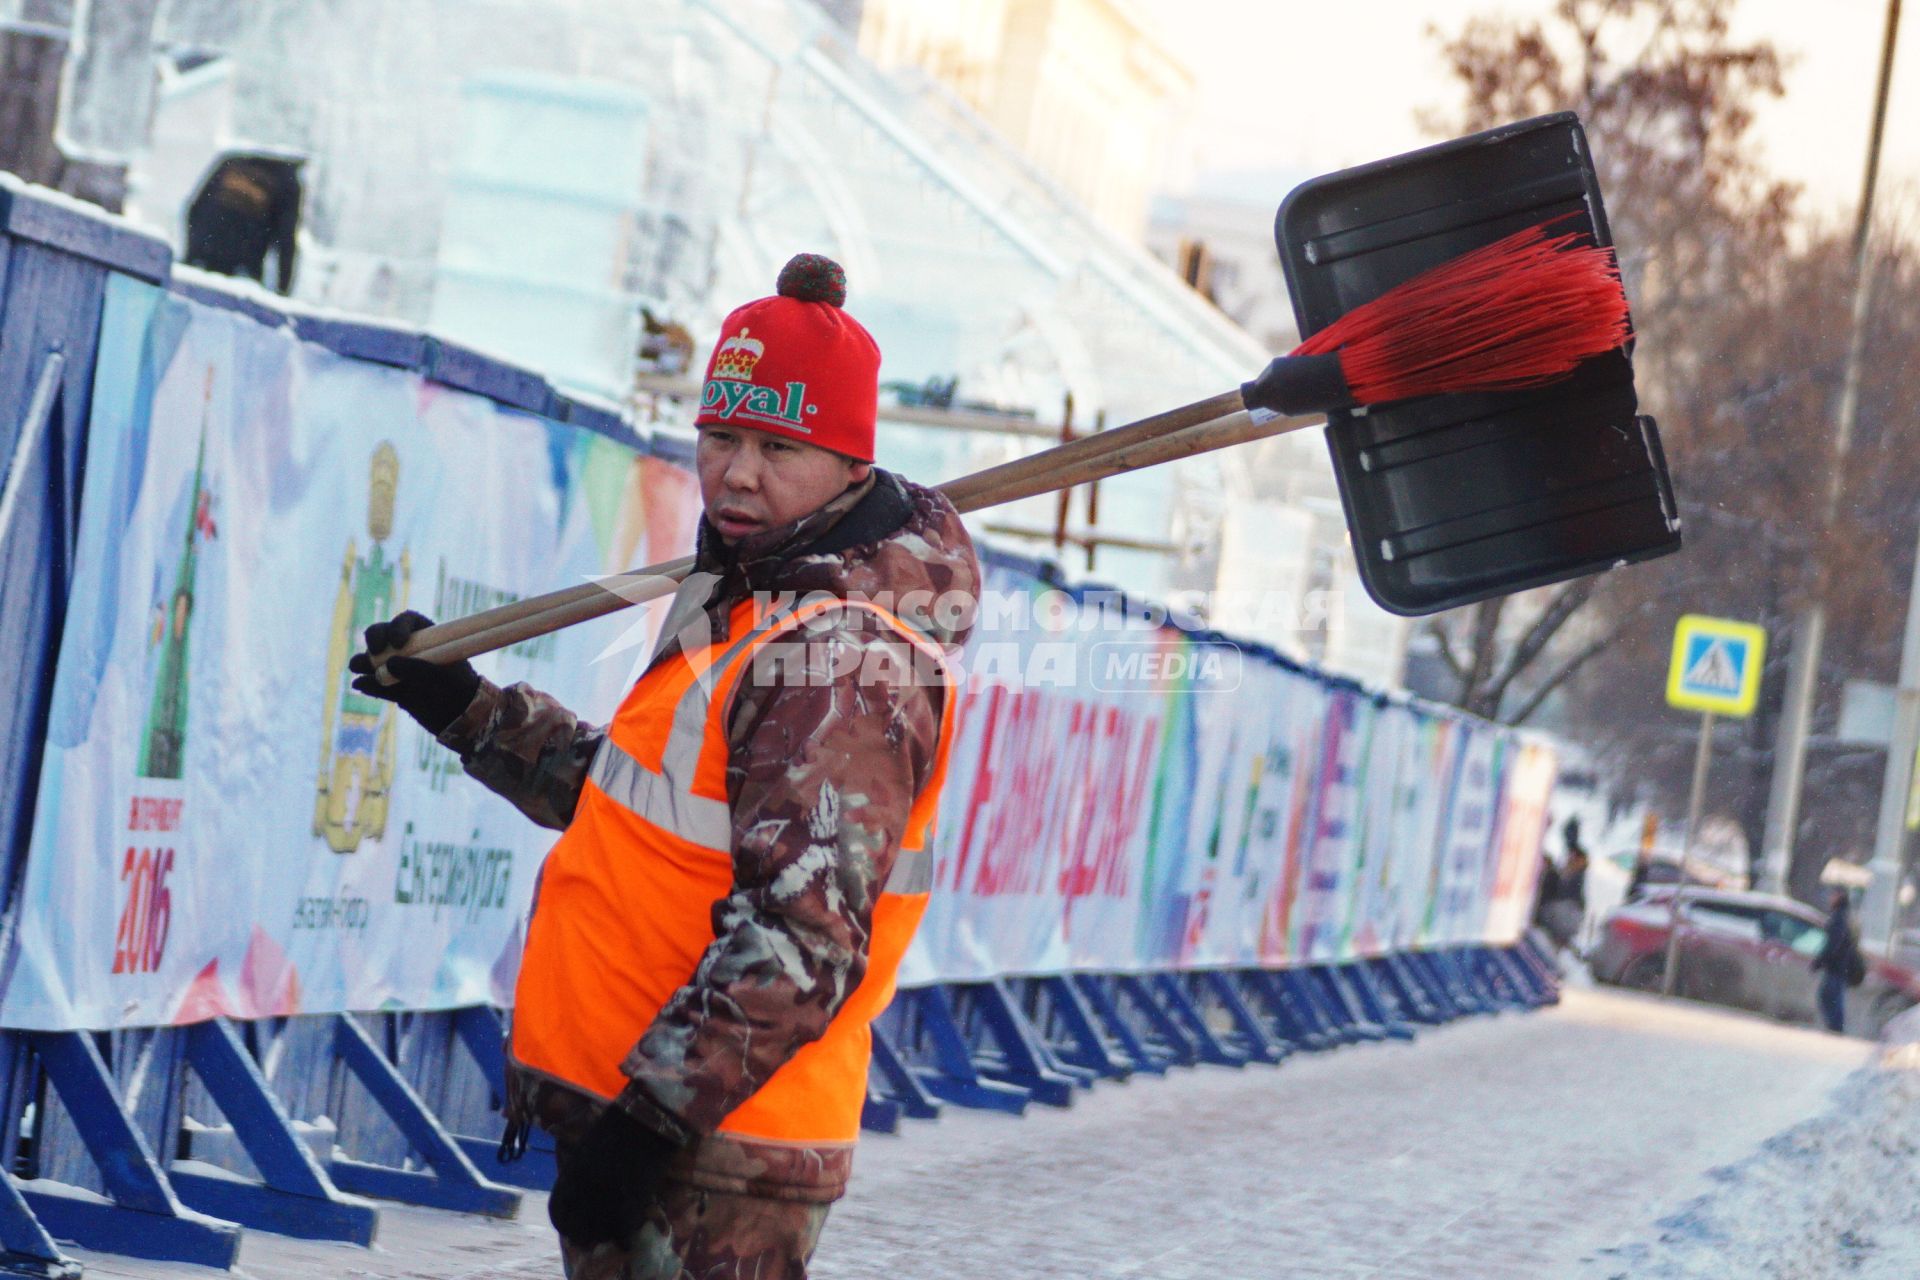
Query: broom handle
point(965, 492)
point(1204, 437)
point(1188, 442)
point(443, 633)
point(1185, 432)
point(588, 601)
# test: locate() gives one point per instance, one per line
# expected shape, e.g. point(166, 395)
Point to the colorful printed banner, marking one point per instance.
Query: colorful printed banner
point(1210, 807)
point(225, 827)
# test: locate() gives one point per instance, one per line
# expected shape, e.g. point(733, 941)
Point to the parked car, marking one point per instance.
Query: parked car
point(1664, 869)
point(1906, 948)
point(1749, 951)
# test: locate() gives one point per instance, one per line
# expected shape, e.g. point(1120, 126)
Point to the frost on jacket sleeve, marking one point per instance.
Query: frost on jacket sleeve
point(822, 775)
point(525, 746)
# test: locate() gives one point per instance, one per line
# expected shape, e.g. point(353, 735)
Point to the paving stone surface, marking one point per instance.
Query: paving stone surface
point(1493, 1149)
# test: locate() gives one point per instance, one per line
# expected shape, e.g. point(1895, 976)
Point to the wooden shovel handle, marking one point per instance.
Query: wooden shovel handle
point(1201, 437)
point(441, 642)
point(1214, 423)
point(584, 603)
point(1033, 474)
point(1205, 437)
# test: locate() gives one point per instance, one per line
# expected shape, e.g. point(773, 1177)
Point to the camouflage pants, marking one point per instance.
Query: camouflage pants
point(695, 1234)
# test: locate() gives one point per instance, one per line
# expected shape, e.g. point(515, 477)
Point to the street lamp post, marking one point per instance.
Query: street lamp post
point(1790, 743)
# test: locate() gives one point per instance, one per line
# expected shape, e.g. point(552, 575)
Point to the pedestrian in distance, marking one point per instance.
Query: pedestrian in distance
point(743, 857)
point(1573, 867)
point(1642, 870)
point(1546, 888)
point(1840, 963)
point(1563, 896)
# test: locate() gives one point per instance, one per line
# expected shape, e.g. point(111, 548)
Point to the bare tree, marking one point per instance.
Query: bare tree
point(1741, 317)
point(1668, 99)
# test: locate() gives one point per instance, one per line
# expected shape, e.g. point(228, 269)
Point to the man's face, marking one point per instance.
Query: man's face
point(751, 480)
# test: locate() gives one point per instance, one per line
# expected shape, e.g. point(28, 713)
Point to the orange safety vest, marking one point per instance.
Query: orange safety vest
point(625, 905)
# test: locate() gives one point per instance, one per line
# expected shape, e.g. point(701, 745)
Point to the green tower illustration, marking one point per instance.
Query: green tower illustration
point(164, 744)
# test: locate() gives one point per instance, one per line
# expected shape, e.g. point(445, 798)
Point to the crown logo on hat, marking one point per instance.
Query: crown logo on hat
point(737, 357)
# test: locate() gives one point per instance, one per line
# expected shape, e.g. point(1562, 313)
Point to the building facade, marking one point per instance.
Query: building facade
point(1082, 88)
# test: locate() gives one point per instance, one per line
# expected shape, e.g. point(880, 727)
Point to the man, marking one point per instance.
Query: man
point(1839, 963)
point(1546, 889)
point(1562, 902)
point(1642, 874)
point(744, 857)
point(1573, 869)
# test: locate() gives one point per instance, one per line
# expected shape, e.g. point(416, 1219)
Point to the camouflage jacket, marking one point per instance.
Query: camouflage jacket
point(788, 948)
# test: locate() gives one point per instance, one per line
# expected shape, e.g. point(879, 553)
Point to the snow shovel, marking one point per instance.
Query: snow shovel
point(1456, 498)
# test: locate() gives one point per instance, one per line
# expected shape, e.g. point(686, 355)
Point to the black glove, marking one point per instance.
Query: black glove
point(431, 693)
point(609, 1180)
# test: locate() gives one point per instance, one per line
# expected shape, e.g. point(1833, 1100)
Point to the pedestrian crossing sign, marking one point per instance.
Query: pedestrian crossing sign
point(1716, 665)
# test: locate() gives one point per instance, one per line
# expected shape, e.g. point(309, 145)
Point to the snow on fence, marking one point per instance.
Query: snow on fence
point(257, 928)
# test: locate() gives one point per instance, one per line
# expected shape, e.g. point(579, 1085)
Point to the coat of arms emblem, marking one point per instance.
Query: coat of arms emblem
point(357, 732)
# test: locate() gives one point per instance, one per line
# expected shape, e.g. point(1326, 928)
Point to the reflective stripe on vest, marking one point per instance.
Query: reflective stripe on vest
point(653, 796)
point(624, 910)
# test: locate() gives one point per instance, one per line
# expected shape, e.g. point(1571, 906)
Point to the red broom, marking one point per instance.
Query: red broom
point(1521, 312)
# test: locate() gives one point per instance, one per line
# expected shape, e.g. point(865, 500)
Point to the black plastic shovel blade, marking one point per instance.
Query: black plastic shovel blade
point(1452, 499)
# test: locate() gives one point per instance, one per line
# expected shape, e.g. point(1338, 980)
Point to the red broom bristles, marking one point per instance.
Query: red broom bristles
point(1520, 312)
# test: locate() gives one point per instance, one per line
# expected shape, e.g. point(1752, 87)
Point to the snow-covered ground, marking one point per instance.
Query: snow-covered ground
point(1836, 1195)
point(1617, 1135)
point(1493, 1149)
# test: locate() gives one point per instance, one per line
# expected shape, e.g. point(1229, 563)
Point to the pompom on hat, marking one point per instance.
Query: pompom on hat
point(796, 365)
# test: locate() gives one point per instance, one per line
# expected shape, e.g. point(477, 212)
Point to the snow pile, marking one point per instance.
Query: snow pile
point(1900, 1040)
point(1837, 1195)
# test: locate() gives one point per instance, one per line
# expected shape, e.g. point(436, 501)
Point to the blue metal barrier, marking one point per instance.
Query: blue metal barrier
point(1061, 1013)
point(1374, 1003)
point(1252, 1036)
point(897, 1092)
point(933, 1041)
point(1536, 958)
point(145, 1217)
point(1341, 1001)
point(1290, 1019)
point(1416, 1003)
point(29, 1250)
point(1166, 1036)
point(1307, 996)
point(1140, 1049)
point(1433, 980)
point(480, 1033)
point(55, 260)
point(451, 1181)
point(1011, 1050)
point(1041, 1038)
point(1175, 1000)
point(294, 1196)
point(1478, 997)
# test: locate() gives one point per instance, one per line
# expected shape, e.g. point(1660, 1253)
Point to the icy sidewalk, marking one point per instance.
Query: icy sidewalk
point(1495, 1149)
point(1837, 1195)
point(1512, 1147)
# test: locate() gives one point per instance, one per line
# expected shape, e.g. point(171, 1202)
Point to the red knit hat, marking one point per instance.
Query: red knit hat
point(796, 365)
